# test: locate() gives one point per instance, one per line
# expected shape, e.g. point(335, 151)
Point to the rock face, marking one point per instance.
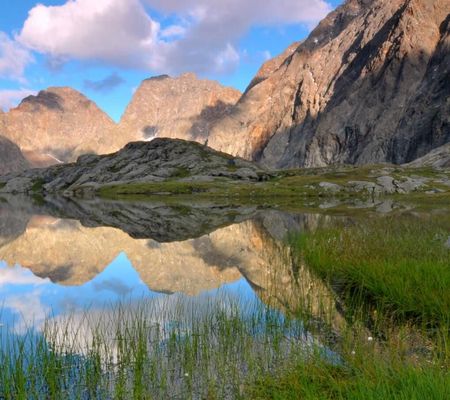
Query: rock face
point(438, 158)
point(183, 108)
point(138, 162)
point(270, 66)
point(369, 85)
point(58, 125)
point(11, 158)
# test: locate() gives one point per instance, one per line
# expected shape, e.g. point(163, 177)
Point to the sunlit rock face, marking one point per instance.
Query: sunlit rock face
point(58, 125)
point(184, 107)
point(369, 85)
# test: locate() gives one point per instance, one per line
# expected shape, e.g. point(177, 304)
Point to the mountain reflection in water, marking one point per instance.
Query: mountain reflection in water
point(63, 256)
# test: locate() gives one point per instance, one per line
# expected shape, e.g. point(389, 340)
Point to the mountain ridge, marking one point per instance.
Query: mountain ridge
point(369, 85)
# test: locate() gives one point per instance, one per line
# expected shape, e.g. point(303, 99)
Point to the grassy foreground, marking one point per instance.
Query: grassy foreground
point(392, 277)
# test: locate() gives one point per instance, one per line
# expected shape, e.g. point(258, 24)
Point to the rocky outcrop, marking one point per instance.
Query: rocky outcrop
point(139, 162)
point(438, 158)
point(11, 158)
point(369, 85)
point(58, 125)
point(183, 108)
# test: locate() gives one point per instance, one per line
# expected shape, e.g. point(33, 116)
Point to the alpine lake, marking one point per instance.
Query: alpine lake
point(174, 297)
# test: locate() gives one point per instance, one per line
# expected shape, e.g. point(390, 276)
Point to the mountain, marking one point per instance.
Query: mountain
point(182, 108)
point(11, 158)
point(58, 125)
point(369, 85)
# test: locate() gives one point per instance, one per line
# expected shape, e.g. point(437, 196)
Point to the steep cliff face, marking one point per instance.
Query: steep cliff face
point(57, 125)
point(183, 108)
point(11, 158)
point(369, 85)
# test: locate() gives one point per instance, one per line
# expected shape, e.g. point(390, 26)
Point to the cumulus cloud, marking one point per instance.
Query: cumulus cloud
point(19, 276)
point(115, 31)
point(122, 33)
point(10, 98)
point(14, 58)
point(105, 85)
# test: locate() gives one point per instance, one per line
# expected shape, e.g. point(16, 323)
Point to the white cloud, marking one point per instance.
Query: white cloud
point(173, 31)
point(10, 98)
point(19, 276)
point(14, 58)
point(29, 310)
point(114, 31)
point(121, 32)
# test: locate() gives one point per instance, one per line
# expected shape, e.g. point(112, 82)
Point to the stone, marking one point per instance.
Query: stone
point(364, 186)
point(387, 183)
point(411, 184)
point(330, 187)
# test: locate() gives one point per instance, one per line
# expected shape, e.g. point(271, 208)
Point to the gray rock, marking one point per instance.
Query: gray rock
point(364, 187)
point(411, 184)
point(388, 184)
point(138, 162)
point(330, 187)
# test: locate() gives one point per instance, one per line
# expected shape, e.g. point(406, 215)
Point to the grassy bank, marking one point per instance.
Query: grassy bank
point(397, 264)
point(391, 276)
point(304, 183)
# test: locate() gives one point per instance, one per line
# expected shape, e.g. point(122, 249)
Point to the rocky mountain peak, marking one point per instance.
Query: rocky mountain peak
point(57, 125)
point(356, 91)
point(183, 107)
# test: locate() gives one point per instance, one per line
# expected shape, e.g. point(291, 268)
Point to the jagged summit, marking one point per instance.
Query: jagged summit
point(182, 107)
point(352, 91)
point(57, 125)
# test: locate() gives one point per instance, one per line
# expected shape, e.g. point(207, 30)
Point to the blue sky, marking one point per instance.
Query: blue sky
point(105, 48)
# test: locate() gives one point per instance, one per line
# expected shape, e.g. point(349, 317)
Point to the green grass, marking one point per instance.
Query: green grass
point(151, 350)
point(391, 278)
point(373, 380)
point(285, 184)
point(396, 263)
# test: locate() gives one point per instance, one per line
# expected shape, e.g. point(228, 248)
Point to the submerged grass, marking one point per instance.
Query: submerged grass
point(395, 264)
point(391, 278)
point(152, 350)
